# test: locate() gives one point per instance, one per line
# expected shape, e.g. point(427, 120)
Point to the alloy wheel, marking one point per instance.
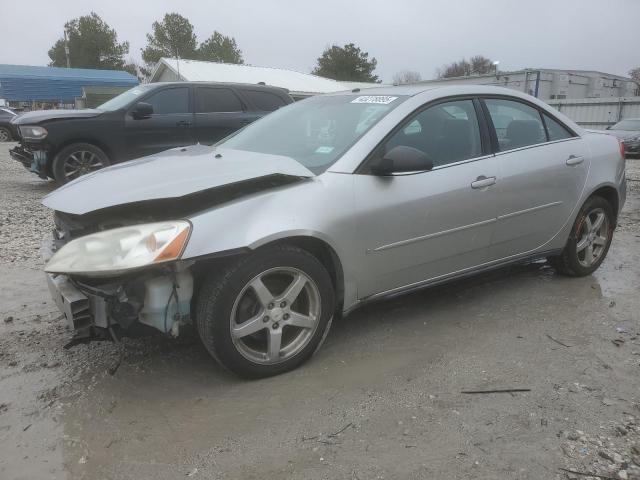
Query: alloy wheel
point(593, 237)
point(80, 163)
point(275, 315)
point(4, 135)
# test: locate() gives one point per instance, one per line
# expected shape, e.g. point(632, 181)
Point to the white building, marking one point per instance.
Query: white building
point(300, 85)
point(548, 84)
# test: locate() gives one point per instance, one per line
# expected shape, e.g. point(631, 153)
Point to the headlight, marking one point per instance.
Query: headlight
point(30, 132)
point(121, 249)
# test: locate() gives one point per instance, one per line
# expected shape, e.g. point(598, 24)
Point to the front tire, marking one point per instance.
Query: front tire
point(589, 240)
point(266, 314)
point(76, 160)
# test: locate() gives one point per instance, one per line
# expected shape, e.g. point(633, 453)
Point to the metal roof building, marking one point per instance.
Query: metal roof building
point(299, 84)
point(23, 83)
point(549, 84)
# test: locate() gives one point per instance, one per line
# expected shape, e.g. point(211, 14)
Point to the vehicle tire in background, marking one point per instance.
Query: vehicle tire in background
point(589, 240)
point(266, 314)
point(76, 160)
point(5, 135)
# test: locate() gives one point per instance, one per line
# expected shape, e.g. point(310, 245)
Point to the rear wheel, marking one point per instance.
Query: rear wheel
point(76, 160)
point(268, 313)
point(589, 240)
point(5, 135)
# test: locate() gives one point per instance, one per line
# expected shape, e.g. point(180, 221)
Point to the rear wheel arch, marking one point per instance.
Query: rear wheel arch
point(610, 194)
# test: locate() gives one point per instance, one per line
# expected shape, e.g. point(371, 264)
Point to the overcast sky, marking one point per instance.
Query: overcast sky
point(401, 34)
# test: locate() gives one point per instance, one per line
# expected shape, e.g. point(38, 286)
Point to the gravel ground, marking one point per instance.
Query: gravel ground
point(383, 398)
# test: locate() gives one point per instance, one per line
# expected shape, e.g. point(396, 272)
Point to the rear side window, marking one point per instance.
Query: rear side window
point(556, 130)
point(446, 133)
point(220, 100)
point(172, 100)
point(265, 101)
point(517, 124)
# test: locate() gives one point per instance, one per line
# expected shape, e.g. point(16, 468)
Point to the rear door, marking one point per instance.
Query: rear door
point(219, 112)
point(170, 125)
point(543, 169)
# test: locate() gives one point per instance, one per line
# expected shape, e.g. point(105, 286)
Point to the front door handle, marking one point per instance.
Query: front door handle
point(574, 160)
point(483, 182)
point(245, 122)
point(183, 123)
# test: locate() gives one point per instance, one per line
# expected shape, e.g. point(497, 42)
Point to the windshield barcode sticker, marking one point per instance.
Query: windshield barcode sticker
point(379, 99)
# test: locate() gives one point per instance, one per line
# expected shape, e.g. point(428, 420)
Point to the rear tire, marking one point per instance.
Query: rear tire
point(5, 135)
point(589, 240)
point(76, 160)
point(256, 332)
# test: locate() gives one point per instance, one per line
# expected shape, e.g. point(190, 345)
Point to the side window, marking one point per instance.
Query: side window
point(446, 133)
point(210, 100)
point(516, 124)
point(556, 130)
point(265, 101)
point(171, 100)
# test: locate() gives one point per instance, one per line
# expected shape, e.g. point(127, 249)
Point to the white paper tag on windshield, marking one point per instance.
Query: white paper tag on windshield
point(379, 99)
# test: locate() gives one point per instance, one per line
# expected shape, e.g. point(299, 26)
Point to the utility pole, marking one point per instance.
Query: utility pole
point(66, 48)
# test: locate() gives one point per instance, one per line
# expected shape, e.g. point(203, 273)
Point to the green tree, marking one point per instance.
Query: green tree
point(219, 48)
point(477, 65)
point(171, 37)
point(92, 44)
point(347, 63)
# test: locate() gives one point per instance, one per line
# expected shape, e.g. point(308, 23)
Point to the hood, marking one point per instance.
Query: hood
point(623, 134)
point(174, 173)
point(37, 116)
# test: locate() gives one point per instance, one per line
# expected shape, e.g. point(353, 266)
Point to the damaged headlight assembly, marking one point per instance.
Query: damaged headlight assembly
point(115, 251)
point(30, 132)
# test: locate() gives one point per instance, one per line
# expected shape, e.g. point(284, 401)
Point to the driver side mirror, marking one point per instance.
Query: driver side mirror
point(608, 127)
point(142, 110)
point(402, 159)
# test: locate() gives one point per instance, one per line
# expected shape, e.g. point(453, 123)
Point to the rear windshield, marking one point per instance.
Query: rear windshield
point(629, 125)
point(315, 131)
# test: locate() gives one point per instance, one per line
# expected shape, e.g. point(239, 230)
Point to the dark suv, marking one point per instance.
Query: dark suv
point(64, 144)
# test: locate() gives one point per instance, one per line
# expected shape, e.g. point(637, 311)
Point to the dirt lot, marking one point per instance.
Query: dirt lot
point(382, 399)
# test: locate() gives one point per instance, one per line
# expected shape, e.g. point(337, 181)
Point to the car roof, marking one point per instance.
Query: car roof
point(444, 90)
point(253, 86)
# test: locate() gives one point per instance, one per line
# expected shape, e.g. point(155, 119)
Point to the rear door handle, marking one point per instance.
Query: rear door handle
point(483, 182)
point(183, 123)
point(574, 160)
point(245, 122)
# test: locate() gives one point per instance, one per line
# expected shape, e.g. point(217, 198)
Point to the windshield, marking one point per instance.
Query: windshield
point(124, 99)
point(631, 125)
point(315, 131)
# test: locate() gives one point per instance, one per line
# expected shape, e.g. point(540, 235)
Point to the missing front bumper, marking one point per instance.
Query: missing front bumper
point(159, 301)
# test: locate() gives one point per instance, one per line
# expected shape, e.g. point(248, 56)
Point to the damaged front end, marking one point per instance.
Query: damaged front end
point(106, 308)
point(145, 286)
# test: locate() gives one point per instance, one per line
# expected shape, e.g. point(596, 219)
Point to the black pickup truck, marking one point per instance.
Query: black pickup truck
point(65, 144)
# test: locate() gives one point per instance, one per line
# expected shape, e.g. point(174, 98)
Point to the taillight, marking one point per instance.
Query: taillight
point(621, 144)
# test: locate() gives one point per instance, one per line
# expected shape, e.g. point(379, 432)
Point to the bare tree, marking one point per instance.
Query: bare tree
point(476, 65)
point(635, 76)
point(406, 76)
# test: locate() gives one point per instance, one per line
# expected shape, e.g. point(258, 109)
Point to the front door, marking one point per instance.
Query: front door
point(170, 125)
point(543, 167)
point(428, 225)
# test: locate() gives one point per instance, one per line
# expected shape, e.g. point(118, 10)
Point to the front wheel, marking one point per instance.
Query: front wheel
point(76, 160)
point(268, 313)
point(589, 240)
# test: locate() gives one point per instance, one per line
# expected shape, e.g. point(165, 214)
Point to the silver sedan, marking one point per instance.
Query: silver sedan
point(323, 206)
